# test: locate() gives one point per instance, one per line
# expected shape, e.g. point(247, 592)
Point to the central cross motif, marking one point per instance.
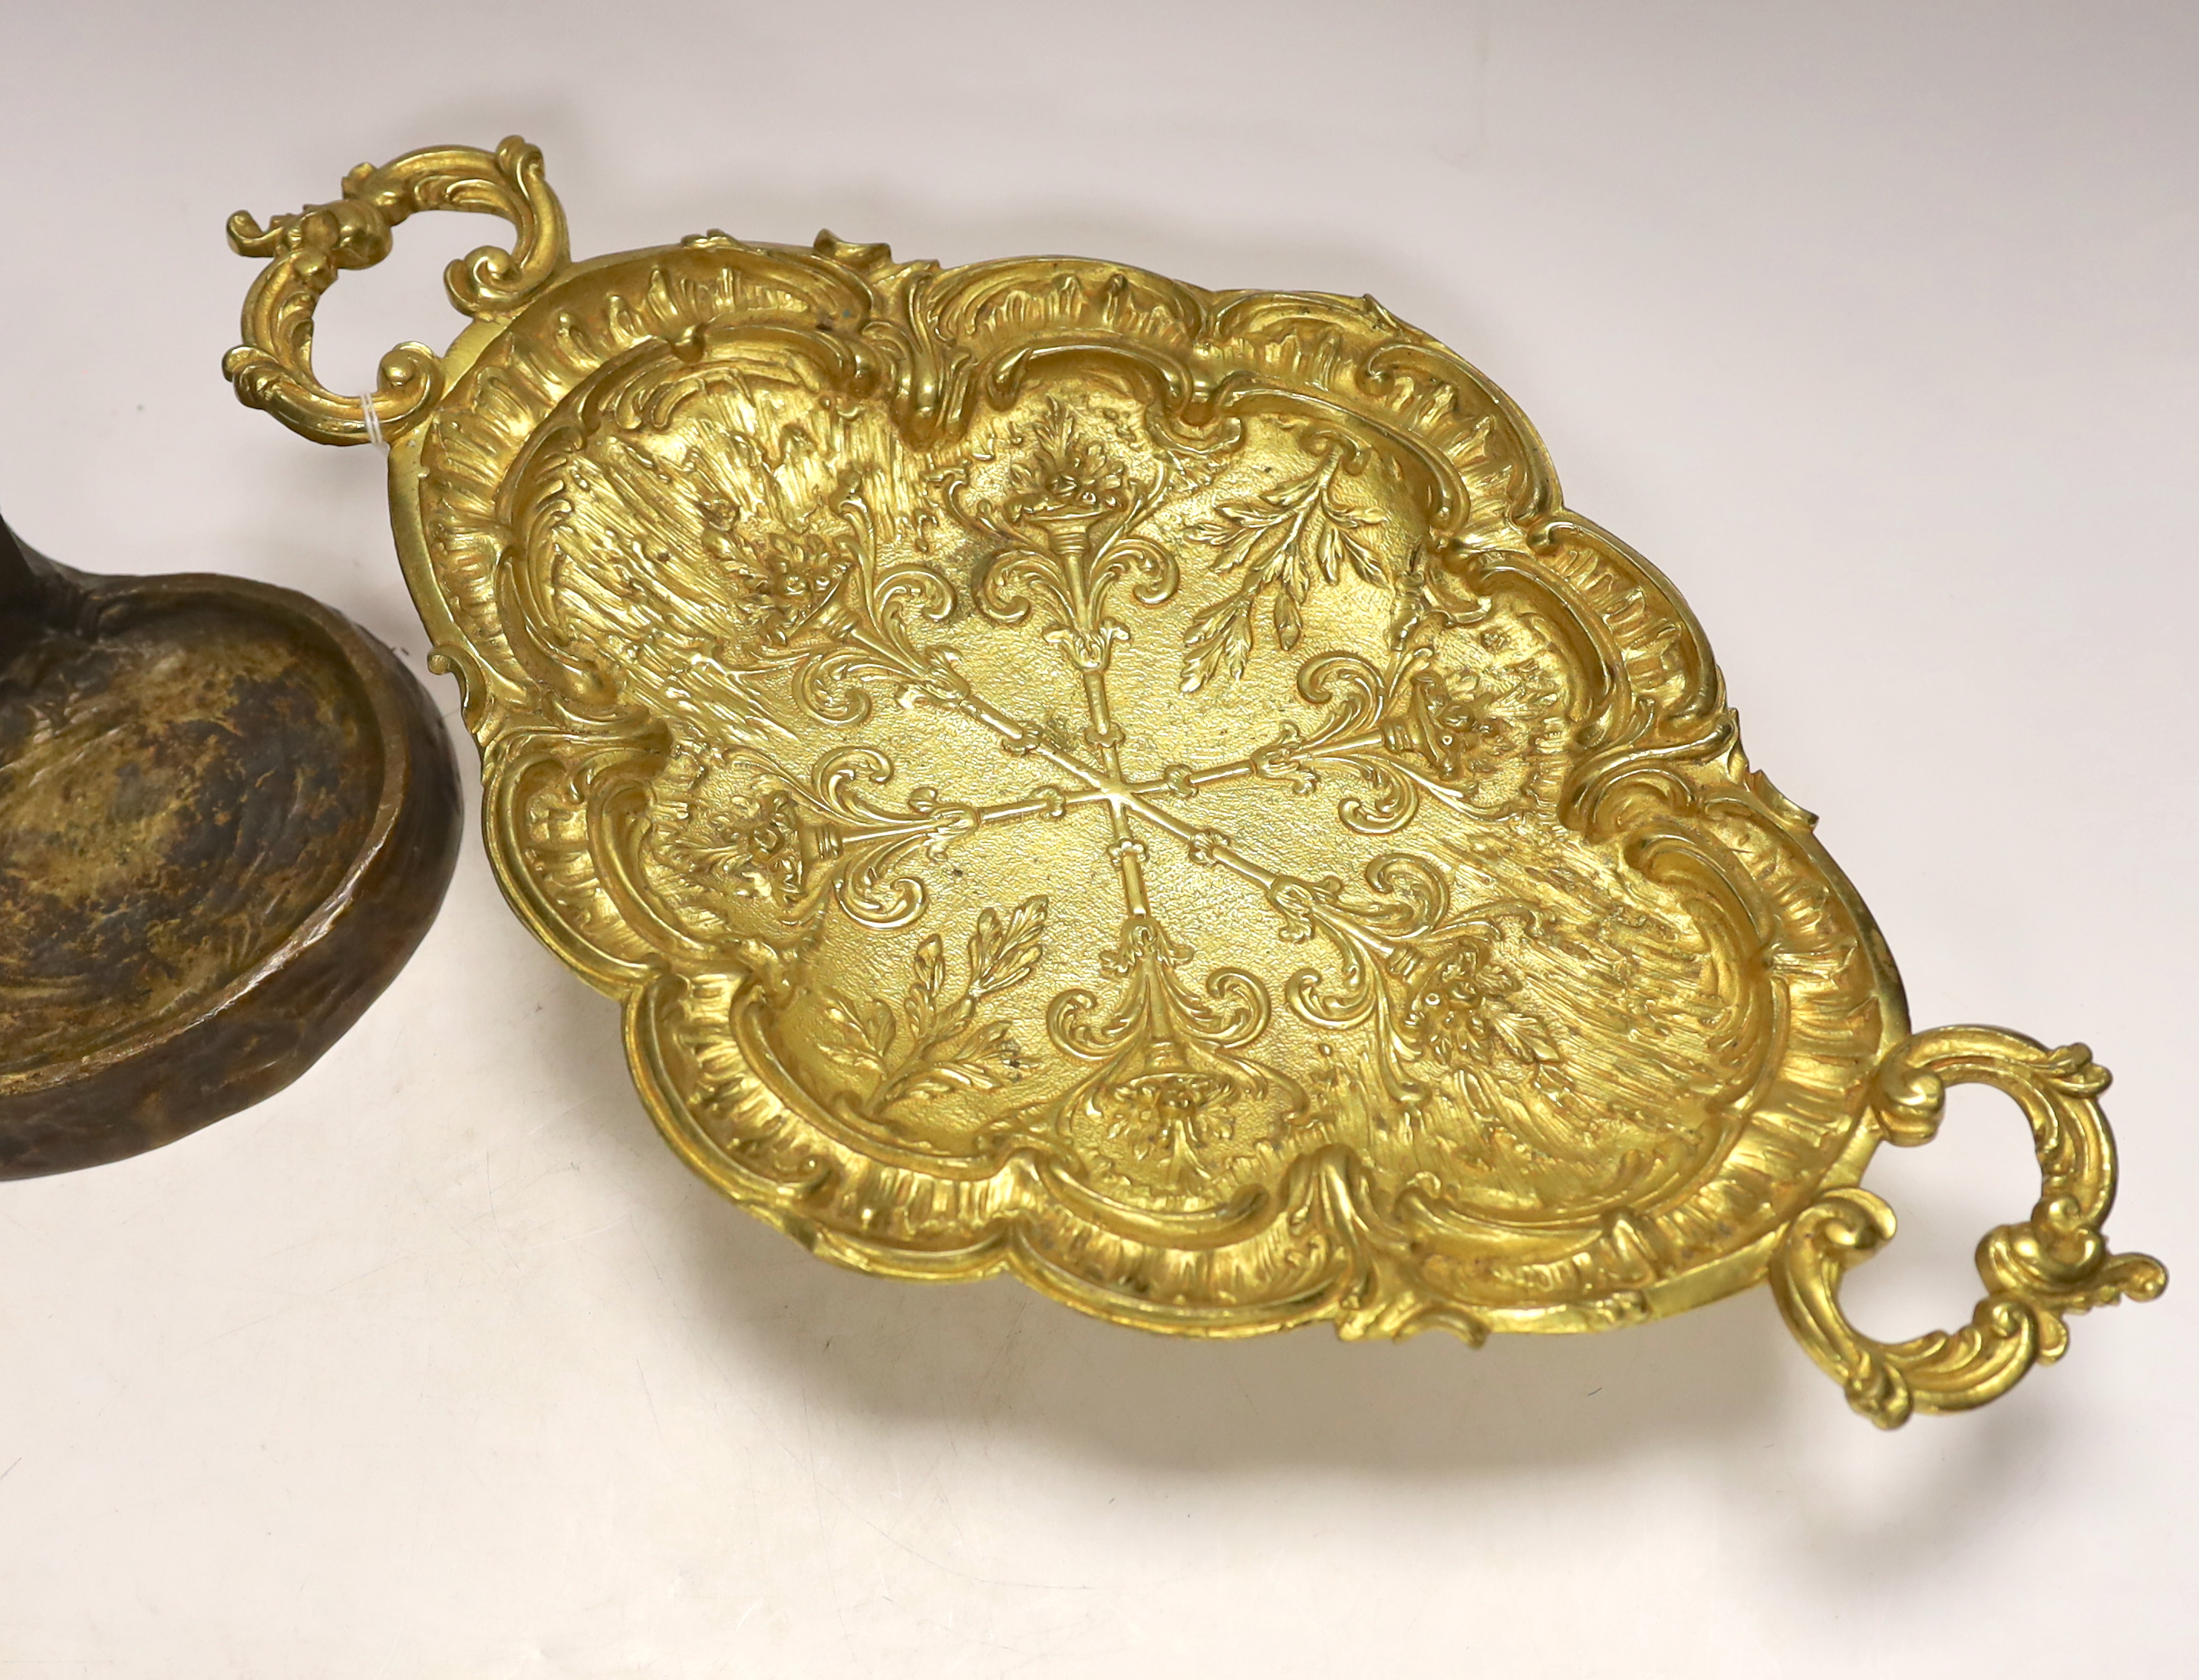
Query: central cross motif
point(1067, 539)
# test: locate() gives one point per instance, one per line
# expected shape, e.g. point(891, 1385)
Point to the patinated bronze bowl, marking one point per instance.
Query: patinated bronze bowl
point(1149, 788)
point(227, 815)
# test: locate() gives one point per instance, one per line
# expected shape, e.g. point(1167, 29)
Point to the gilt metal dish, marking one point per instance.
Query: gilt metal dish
point(1148, 788)
point(227, 816)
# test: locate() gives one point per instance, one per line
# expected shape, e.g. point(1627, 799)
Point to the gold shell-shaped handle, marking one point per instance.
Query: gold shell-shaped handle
point(273, 368)
point(2056, 1262)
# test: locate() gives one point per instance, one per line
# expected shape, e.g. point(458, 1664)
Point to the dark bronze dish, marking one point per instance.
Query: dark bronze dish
point(227, 816)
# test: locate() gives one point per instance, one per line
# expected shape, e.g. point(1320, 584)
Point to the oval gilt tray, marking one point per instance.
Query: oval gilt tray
point(1149, 788)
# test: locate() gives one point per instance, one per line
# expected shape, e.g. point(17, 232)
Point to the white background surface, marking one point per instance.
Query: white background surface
point(1872, 324)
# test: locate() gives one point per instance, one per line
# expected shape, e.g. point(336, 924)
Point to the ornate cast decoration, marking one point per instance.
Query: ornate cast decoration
point(1148, 788)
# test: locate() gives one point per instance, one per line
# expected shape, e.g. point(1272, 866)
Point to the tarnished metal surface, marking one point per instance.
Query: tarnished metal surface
point(226, 817)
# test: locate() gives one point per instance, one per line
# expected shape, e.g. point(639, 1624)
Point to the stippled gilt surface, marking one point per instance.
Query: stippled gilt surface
point(1143, 786)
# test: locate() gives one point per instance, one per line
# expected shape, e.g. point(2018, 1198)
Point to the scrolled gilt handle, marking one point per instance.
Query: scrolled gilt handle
point(273, 368)
point(2056, 1262)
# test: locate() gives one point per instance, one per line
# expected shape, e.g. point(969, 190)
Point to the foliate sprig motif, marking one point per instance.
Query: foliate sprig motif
point(1277, 545)
point(942, 1042)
